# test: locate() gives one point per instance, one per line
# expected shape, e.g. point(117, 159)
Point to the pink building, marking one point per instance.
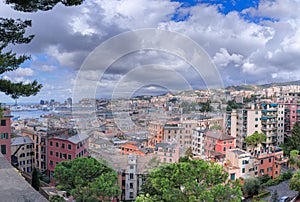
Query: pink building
point(216, 143)
point(291, 115)
point(62, 148)
point(5, 132)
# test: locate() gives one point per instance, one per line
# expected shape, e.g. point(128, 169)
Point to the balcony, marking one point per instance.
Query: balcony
point(281, 160)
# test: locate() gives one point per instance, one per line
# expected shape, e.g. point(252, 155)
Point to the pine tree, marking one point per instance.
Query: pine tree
point(35, 181)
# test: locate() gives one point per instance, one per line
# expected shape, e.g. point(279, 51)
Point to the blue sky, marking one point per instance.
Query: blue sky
point(252, 41)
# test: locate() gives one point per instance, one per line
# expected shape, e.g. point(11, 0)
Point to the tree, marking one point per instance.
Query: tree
point(87, 179)
point(12, 32)
point(251, 186)
point(274, 197)
point(255, 139)
point(42, 5)
point(35, 181)
point(194, 180)
point(295, 182)
point(56, 198)
point(293, 142)
point(264, 178)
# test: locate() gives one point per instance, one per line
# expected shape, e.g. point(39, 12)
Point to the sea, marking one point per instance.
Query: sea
point(28, 114)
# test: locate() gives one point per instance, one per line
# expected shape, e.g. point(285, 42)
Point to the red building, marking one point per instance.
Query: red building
point(5, 132)
point(63, 148)
point(216, 143)
point(270, 162)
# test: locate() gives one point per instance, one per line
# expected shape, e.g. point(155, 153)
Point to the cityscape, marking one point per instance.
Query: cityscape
point(149, 101)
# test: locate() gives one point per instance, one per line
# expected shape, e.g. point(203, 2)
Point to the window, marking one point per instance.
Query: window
point(269, 169)
point(256, 119)
point(69, 156)
point(3, 149)
point(69, 146)
point(51, 153)
point(224, 142)
point(3, 122)
point(261, 161)
point(130, 194)
point(131, 176)
point(243, 170)
point(4, 135)
point(270, 160)
point(232, 176)
point(131, 185)
point(63, 145)
point(51, 143)
point(262, 171)
point(56, 154)
point(56, 144)
point(131, 167)
point(256, 125)
point(224, 148)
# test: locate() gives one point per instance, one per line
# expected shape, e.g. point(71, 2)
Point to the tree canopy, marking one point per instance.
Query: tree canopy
point(42, 5)
point(293, 142)
point(12, 32)
point(87, 179)
point(194, 180)
point(295, 182)
point(255, 139)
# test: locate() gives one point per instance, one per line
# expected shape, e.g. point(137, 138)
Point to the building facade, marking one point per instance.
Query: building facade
point(5, 134)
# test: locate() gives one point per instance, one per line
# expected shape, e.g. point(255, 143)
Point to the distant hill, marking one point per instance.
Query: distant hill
point(257, 87)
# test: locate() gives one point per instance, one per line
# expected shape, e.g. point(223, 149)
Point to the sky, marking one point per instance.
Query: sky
point(248, 41)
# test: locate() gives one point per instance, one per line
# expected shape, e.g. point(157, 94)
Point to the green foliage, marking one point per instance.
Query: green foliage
point(231, 104)
point(42, 5)
point(87, 179)
point(261, 195)
point(35, 181)
point(255, 139)
point(205, 107)
point(274, 197)
point(264, 178)
point(12, 32)
point(293, 142)
point(294, 153)
point(295, 182)
point(56, 198)
point(194, 180)
point(282, 177)
point(216, 127)
point(251, 186)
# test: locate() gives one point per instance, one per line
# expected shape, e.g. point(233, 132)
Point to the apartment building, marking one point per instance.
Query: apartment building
point(22, 153)
point(243, 123)
point(266, 117)
point(5, 133)
point(216, 143)
point(155, 133)
point(198, 141)
point(270, 162)
point(291, 115)
point(272, 121)
point(64, 148)
point(38, 135)
point(167, 152)
point(239, 164)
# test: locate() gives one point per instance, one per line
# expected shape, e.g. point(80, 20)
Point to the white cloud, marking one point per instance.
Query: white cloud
point(223, 58)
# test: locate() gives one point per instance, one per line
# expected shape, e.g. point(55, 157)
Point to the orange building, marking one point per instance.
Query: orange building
point(132, 148)
point(155, 133)
point(270, 163)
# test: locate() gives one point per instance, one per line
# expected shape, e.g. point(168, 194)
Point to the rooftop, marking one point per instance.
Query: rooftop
point(21, 140)
point(13, 187)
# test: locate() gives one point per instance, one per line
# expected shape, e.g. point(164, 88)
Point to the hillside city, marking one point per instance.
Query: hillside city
point(252, 134)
